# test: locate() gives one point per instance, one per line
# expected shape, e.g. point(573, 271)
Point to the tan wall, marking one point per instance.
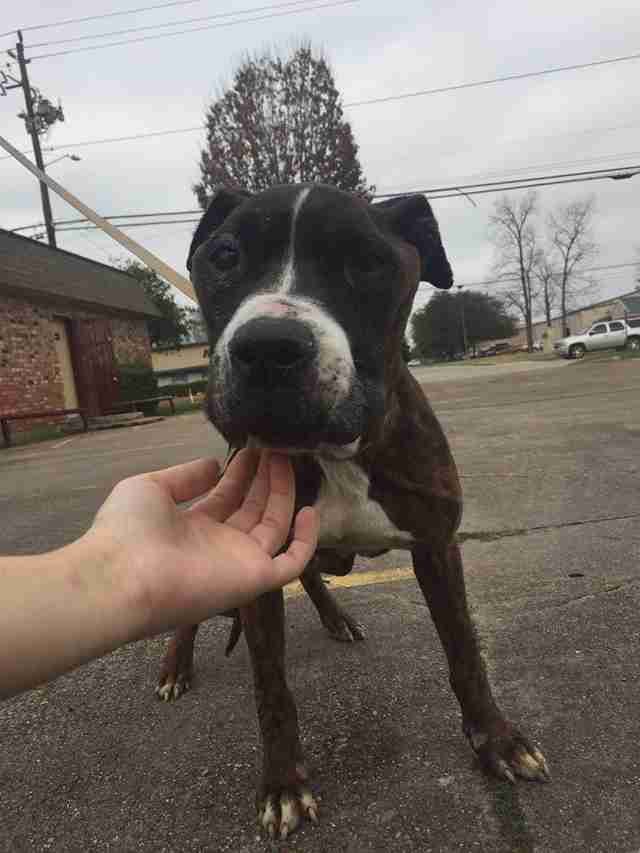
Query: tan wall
point(62, 346)
point(577, 322)
point(191, 355)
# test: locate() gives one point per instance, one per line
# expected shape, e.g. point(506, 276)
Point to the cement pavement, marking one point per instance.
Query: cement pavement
point(550, 463)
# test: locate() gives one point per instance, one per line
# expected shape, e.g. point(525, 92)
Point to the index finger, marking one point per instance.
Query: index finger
point(272, 529)
point(225, 498)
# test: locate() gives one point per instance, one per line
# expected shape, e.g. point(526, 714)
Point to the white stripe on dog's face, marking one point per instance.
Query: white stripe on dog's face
point(287, 278)
point(334, 362)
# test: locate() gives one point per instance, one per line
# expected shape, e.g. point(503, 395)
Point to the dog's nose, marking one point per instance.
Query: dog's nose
point(269, 346)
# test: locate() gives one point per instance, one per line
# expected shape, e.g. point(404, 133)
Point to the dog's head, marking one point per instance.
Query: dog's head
point(306, 291)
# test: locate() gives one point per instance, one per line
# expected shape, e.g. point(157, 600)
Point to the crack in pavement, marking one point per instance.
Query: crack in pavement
point(494, 535)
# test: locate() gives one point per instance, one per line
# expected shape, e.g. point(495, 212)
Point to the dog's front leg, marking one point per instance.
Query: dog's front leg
point(176, 672)
point(282, 795)
point(501, 748)
point(340, 625)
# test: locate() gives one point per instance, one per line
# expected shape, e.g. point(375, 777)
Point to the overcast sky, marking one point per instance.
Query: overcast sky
point(584, 119)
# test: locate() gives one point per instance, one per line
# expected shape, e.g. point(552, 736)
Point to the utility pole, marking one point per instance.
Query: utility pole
point(39, 116)
point(464, 324)
point(32, 128)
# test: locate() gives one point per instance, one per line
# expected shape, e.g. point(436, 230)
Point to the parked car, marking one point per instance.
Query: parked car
point(537, 346)
point(496, 349)
point(614, 334)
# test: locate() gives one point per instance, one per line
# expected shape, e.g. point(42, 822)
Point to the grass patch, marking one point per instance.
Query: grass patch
point(40, 432)
point(487, 361)
point(184, 406)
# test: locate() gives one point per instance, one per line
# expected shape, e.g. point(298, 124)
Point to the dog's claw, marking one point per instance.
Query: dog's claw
point(280, 815)
point(345, 630)
point(288, 816)
point(502, 769)
point(171, 690)
point(507, 754)
point(531, 764)
point(542, 764)
point(309, 805)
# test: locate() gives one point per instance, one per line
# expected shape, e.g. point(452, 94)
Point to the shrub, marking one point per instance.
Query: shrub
point(135, 382)
point(181, 389)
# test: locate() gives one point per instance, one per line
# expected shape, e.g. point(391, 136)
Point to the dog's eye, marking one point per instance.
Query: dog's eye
point(364, 265)
point(225, 255)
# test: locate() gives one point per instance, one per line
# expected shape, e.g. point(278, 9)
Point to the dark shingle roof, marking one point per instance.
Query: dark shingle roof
point(36, 269)
point(631, 303)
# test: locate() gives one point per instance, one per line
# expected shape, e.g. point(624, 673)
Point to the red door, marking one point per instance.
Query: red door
point(95, 363)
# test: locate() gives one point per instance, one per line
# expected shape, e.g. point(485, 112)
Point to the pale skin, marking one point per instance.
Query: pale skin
point(147, 564)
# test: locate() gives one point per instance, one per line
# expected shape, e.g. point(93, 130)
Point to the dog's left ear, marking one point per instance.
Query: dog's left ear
point(220, 206)
point(411, 218)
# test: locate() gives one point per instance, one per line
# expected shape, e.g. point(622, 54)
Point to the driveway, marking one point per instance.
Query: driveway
point(550, 464)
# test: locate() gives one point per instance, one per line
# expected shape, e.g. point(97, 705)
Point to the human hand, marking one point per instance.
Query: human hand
point(185, 564)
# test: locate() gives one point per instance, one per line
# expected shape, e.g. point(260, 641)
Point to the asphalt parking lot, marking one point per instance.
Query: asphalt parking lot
point(550, 465)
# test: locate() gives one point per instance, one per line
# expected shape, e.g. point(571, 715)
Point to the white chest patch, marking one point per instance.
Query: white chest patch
point(350, 521)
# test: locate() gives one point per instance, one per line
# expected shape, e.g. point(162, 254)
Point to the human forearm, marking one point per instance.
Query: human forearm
point(62, 609)
point(148, 564)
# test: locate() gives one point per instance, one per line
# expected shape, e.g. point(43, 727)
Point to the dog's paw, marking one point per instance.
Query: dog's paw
point(280, 814)
point(343, 627)
point(176, 670)
point(172, 686)
point(506, 753)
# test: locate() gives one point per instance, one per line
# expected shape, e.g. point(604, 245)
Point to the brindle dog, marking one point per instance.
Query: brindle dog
point(306, 292)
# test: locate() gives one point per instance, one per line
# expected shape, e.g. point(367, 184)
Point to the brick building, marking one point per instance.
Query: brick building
point(67, 326)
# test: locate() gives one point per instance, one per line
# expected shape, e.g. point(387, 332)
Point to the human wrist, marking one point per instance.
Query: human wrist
point(103, 569)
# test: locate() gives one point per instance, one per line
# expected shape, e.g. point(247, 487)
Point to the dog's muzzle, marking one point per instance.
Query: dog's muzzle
point(283, 384)
point(270, 354)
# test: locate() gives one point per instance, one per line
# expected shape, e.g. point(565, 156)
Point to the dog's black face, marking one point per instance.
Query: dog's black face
point(299, 286)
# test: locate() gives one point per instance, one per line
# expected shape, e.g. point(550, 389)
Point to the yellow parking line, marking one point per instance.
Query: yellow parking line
point(356, 579)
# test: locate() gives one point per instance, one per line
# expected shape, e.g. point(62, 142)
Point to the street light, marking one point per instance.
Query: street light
point(623, 176)
point(73, 157)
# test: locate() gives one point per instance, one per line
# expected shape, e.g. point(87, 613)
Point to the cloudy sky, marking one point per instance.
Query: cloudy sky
point(568, 122)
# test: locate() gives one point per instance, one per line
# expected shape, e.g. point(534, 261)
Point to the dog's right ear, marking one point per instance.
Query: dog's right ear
point(411, 218)
point(220, 206)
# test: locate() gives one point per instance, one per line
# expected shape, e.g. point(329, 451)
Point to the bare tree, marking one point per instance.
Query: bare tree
point(281, 121)
point(547, 277)
point(572, 248)
point(517, 253)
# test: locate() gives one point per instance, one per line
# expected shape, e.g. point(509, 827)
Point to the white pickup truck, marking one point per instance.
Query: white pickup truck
point(614, 334)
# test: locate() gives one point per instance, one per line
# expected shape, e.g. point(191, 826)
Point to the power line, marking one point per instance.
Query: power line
point(135, 216)
point(168, 24)
point(506, 78)
point(134, 136)
point(121, 225)
point(197, 29)
point(101, 17)
point(516, 278)
point(197, 128)
point(433, 192)
point(554, 164)
point(506, 184)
